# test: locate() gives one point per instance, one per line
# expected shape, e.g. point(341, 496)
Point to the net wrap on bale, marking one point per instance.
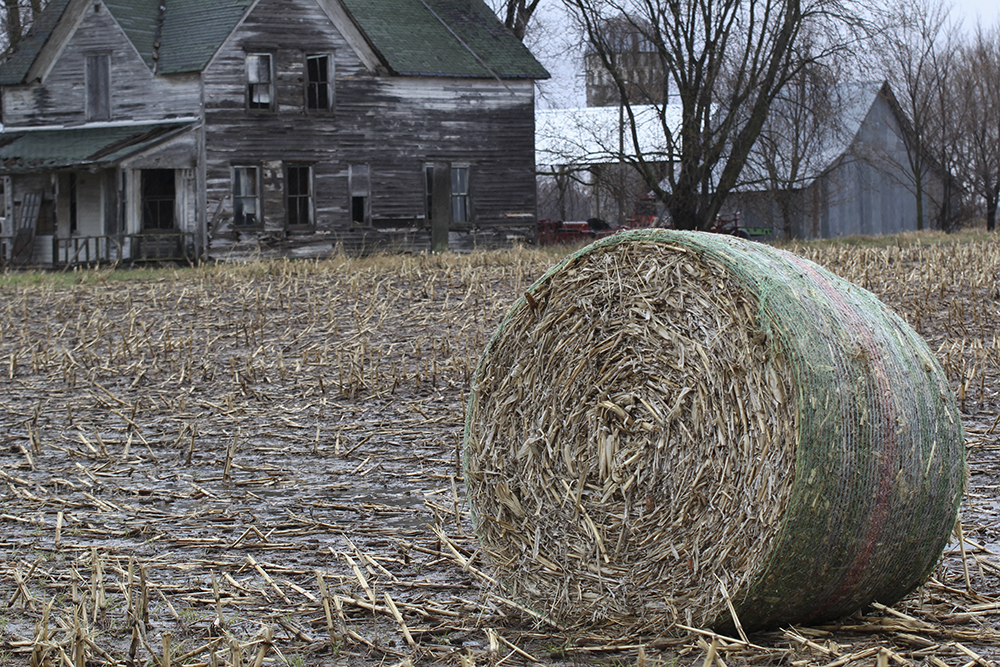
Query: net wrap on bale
point(676, 427)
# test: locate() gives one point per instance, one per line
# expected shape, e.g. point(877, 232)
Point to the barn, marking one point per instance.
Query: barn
point(850, 174)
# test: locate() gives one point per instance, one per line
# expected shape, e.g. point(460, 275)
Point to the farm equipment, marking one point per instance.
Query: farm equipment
point(730, 224)
point(554, 232)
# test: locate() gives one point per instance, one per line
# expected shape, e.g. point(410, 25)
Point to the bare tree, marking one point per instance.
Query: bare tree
point(803, 125)
point(978, 89)
point(516, 14)
point(16, 18)
point(919, 54)
point(725, 62)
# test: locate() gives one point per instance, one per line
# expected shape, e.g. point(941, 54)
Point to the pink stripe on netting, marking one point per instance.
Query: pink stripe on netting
point(848, 313)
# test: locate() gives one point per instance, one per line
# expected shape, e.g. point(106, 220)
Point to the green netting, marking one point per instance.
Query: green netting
point(669, 423)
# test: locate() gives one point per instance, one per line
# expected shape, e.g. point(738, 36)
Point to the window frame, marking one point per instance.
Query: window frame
point(309, 196)
point(256, 196)
point(250, 91)
point(309, 84)
point(462, 198)
point(359, 177)
point(97, 85)
point(157, 216)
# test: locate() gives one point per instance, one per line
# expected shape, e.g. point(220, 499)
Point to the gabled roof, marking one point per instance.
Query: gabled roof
point(177, 36)
point(443, 38)
point(193, 30)
point(139, 19)
point(30, 150)
point(413, 37)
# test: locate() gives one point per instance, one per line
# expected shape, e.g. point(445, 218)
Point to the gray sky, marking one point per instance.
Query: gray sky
point(554, 47)
point(969, 10)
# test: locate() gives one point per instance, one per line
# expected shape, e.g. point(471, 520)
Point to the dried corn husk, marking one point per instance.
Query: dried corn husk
point(676, 428)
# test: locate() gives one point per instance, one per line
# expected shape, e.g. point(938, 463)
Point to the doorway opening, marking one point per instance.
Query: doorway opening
point(158, 200)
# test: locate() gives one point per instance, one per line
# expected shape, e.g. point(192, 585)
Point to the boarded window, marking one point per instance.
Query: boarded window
point(360, 184)
point(298, 195)
point(246, 196)
point(260, 82)
point(97, 71)
point(319, 82)
point(459, 194)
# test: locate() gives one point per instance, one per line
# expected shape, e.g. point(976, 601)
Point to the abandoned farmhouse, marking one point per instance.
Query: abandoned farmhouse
point(143, 129)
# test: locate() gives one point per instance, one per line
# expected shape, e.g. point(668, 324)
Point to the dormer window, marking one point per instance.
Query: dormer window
point(319, 78)
point(260, 81)
point(97, 73)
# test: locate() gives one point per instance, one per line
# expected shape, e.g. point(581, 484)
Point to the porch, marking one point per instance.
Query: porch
point(92, 195)
point(51, 252)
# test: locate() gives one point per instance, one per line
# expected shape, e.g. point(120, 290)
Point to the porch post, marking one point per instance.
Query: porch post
point(441, 207)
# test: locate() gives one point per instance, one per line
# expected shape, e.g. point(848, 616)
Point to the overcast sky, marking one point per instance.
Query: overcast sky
point(558, 50)
point(988, 10)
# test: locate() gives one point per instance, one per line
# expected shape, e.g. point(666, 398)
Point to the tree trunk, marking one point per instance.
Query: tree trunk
point(991, 211)
point(14, 27)
point(920, 201)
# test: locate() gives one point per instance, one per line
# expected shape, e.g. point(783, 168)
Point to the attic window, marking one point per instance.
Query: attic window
point(260, 82)
point(97, 72)
point(319, 91)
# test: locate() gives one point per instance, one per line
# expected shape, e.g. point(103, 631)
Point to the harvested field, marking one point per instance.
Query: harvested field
point(258, 464)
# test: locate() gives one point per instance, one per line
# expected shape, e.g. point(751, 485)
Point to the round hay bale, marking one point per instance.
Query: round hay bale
point(675, 427)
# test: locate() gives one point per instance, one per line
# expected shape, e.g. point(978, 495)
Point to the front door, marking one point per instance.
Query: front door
point(159, 195)
point(159, 238)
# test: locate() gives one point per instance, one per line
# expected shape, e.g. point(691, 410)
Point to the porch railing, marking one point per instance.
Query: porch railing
point(158, 247)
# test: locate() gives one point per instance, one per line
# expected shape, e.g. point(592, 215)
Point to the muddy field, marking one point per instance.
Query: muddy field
point(258, 464)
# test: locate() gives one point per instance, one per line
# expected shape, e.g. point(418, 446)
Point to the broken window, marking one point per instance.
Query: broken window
point(360, 184)
point(260, 84)
point(97, 72)
point(319, 78)
point(298, 195)
point(246, 196)
point(459, 194)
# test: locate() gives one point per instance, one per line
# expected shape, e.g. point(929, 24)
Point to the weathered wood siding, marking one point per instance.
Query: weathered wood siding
point(136, 94)
point(394, 125)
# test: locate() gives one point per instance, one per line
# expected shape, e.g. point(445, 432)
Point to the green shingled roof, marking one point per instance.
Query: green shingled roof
point(193, 30)
point(97, 146)
point(413, 37)
point(16, 66)
point(181, 38)
point(443, 38)
point(139, 19)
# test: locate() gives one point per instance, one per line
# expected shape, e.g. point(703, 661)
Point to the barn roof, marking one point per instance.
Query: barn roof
point(818, 149)
point(413, 37)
